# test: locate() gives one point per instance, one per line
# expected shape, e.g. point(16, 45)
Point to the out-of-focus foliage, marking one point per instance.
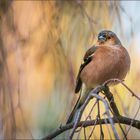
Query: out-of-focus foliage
point(42, 45)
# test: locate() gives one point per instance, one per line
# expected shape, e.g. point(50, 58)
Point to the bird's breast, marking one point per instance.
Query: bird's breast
point(107, 63)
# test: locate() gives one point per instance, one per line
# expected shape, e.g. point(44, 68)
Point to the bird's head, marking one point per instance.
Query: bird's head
point(107, 37)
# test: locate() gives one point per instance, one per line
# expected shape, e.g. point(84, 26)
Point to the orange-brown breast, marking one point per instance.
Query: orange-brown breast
point(108, 62)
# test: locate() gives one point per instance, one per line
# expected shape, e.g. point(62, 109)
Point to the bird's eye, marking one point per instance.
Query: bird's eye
point(104, 36)
point(109, 37)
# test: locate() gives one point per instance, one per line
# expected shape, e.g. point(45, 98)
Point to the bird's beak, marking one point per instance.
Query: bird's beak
point(102, 38)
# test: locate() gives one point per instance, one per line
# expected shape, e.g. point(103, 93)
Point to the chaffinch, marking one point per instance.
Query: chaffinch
point(105, 60)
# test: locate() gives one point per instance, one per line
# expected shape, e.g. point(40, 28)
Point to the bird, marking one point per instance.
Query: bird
point(107, 59)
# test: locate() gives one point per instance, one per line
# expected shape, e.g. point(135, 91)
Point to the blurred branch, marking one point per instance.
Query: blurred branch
point(117, 117)
point(99, 117)
point(91, 21)
point(4, 5)
point(130, 19)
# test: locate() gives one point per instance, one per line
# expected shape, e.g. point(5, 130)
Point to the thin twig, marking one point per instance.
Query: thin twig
point(94, 94)
point(101, 129)
point(122, 120)
point(115, 111)
point(93, 127)
point(120, 81)
point(85, 133)
point(119, 124)
point(107, 126)
point(112, 103)
point(78, 117)
point(87, 116)
point(133, 120)
point(109, 117)
point(116, 119)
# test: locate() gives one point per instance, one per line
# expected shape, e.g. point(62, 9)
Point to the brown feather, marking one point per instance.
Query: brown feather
point(87, 59)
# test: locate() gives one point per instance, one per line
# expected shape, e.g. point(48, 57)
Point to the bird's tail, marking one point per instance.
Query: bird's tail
point(77, 106)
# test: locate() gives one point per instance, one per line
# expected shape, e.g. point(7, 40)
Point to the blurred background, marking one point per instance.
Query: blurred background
point(42, 44)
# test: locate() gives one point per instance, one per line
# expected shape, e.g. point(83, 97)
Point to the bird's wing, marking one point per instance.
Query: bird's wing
point(87, 58)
